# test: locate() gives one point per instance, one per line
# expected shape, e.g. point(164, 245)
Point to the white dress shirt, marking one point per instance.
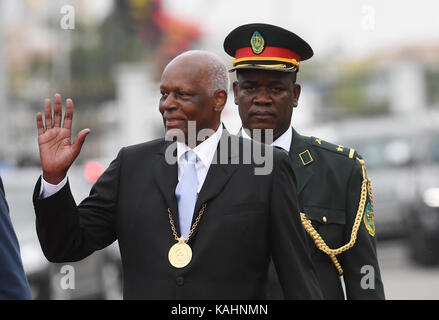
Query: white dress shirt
point(284, 141)
point(204, 151)
point(47, 189)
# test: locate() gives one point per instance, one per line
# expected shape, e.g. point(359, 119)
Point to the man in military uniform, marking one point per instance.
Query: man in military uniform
point(334, 192)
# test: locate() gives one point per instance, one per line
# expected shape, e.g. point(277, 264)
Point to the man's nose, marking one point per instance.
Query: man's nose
point(263, 96)
point(169, 102)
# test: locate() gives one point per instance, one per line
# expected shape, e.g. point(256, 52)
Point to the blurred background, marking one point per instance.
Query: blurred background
point(373, 85)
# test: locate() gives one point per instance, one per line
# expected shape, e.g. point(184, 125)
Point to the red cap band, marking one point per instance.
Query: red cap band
point(268, 52)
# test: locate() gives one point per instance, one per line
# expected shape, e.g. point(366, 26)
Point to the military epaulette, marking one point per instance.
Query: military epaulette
point(351, 153)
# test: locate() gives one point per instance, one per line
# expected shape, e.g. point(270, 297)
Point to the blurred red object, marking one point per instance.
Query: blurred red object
point(93, 171)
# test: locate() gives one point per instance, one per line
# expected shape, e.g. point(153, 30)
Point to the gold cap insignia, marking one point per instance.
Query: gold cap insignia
point(257, 42)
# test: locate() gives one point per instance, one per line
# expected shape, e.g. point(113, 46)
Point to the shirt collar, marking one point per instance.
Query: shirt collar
point(205, 150)
point(284, 141)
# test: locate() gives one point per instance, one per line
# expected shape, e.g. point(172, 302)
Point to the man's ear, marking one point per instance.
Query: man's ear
point(220, 98)
point(296, 92)
point(235, 91)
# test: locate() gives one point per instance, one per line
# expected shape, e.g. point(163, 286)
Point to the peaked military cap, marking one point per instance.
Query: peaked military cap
point(265, 46)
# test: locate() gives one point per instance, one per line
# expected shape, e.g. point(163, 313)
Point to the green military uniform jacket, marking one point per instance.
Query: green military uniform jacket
point(329, 182)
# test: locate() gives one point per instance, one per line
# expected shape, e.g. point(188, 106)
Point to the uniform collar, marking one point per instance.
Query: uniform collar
point(303, 159)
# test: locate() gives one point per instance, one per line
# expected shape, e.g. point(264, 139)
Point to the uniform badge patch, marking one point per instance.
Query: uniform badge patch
point(257, 42)
point(368, 219)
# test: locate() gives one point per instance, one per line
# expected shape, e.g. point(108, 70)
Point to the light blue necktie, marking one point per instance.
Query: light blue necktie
point(186, 193)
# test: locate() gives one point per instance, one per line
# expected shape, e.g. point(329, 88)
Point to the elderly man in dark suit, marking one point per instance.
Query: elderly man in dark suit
point(13, 282)
point(192, 218)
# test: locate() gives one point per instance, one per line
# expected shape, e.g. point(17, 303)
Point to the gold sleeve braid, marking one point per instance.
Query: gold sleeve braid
point(318, 240)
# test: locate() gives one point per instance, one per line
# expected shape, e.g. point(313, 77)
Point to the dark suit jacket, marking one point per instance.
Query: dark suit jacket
point(329, 187)
point(247, 219)
point(13, 282)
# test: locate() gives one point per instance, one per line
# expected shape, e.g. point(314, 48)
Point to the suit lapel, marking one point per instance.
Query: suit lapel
point(218, 174)
point(303, 159)
point(166, 178)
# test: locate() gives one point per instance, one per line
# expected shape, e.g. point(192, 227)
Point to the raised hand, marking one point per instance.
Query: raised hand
point(57, 152)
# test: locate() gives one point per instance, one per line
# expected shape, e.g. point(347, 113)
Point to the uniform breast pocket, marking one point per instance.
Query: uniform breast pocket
point(329, 223)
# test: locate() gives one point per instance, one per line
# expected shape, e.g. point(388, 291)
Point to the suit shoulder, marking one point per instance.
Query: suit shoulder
point(149, 146)
point(142, 150)
point(333, 150)
point(277, 153)
point(241, 141)
point(255, 152)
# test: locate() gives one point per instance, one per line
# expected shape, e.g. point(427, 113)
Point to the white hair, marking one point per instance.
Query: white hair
point(218, 78)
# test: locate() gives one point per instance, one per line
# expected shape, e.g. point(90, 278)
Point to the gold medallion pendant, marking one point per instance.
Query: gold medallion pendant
point(180, 254)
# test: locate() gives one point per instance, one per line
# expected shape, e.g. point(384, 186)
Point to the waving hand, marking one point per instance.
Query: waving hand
point(57, 152)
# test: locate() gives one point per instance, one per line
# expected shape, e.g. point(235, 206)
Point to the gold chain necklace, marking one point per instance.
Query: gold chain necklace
point(180, 253)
